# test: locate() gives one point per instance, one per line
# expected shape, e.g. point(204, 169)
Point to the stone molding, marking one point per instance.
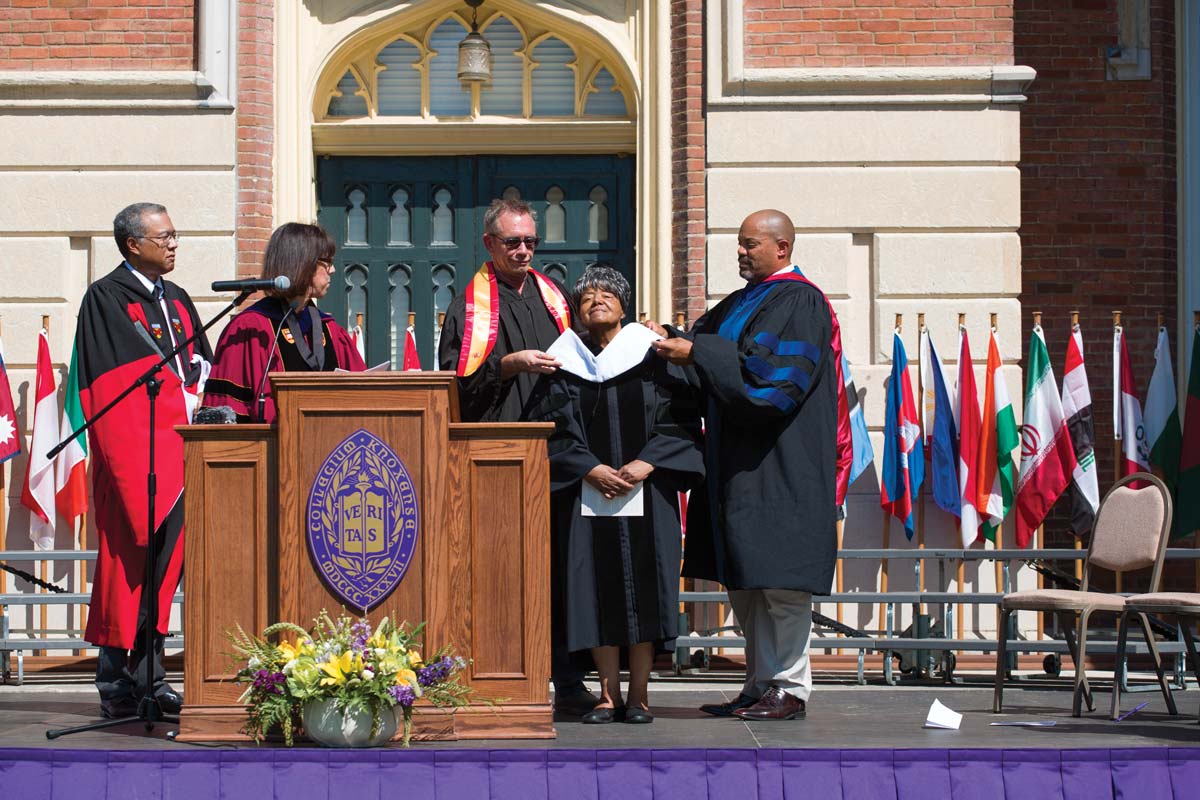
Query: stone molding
point(109, 89)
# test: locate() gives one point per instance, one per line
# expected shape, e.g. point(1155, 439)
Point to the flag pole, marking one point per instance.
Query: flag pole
point(961, 577)
point(1118, 453)
point(883, 566)
point(358, 319)
point(680, 320)
point(921, 333)
point(43, 566)
point(1039, 536)
point(999, 543)
point(1079, 540)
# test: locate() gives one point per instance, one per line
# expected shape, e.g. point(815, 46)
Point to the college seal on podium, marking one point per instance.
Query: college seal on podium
point(363, 520)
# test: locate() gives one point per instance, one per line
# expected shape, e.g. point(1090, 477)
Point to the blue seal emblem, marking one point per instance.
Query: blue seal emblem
point(363, 520)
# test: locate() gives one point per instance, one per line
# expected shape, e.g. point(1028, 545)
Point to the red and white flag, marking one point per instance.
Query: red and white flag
point(359, 341)
point(38, 491)
point(1129, 427)
point(10, 438)
point(412, 359)
point(966, 421)
point(1077, 407)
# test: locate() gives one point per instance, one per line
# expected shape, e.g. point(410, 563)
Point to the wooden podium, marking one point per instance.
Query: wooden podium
point(479, 572)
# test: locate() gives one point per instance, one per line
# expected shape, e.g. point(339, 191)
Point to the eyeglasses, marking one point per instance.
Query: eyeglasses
point(327, 264)
point(163, 239)
point(513, 242)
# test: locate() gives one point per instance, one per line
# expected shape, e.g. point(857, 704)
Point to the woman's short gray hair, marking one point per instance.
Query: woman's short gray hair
point(606, 279)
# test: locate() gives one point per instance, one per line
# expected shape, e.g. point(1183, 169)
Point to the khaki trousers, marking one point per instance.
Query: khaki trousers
point(776, 624)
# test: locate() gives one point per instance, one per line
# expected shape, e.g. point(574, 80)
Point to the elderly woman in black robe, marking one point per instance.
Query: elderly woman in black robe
point(617, 577)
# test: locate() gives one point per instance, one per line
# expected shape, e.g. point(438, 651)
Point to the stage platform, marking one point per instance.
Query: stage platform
point(856, 742)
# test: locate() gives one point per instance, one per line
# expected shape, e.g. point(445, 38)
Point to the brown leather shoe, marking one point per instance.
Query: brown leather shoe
point(727, 709)
point(775, 704)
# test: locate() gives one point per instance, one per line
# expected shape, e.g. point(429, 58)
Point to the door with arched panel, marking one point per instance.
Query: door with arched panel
point(409, 232)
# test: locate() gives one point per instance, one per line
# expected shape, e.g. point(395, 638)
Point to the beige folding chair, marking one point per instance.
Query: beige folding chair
point(1130, 533)
point(1182, 607)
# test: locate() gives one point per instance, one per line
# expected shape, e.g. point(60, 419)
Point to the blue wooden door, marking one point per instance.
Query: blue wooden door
point(409, 231)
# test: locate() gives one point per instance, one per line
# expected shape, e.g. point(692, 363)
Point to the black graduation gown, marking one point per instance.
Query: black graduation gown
point(766, 519)
point(620, 575)
point(525, 324)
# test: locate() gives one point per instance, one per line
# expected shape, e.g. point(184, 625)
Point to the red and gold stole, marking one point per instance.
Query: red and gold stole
point(482, 320)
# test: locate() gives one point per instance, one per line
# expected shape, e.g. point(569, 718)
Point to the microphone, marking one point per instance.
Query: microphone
point(214, 415)
point(280, 283)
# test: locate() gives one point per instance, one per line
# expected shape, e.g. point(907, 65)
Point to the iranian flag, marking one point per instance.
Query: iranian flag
point(71, 465)
point(1187, 510)
point(1077, 406)
point(966, 420)
point(1129, 429)
point(1047, 456)
point(996, 443)
point(1161, 421)
point(37, 492)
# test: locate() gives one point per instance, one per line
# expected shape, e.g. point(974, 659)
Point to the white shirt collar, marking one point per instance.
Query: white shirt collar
point(146, 282)
point(788, 268)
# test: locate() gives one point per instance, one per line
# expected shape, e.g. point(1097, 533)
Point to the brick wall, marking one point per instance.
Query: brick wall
point(1098, 182)
point(255, 132)
point(97, 34)
point(874, 33)
point(688, 242)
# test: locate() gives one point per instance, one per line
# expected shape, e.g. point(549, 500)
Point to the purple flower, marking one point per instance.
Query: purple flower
point(359, 633)
point(270, 682)
point(436, 672)
point(403, 695)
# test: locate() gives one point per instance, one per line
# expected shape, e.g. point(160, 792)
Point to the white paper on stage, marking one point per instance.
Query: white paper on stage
point(626, 350)
point(941, 717)
point(594, 504)
point(382, 366)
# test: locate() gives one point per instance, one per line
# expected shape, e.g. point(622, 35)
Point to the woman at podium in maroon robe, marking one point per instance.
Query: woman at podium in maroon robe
point(284, 331)
point(626, 425)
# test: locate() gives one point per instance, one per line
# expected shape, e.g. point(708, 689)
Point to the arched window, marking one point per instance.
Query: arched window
point(400, 289)
point(356, 293)
point(605, 100)
point(399, 83)
point(598, 214)
point(345, 103)
point(447, 98)
point(356, 216)
point(443, 217)
point(400, 219)
point(504, 95)
point(553, 80)
point(555, 215)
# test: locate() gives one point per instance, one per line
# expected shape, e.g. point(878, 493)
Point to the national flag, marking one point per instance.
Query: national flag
point(1047, 455)
point(10, 438)
point(966, 418)
point(1161, 421)
point(864, 453)
point(903, 456)
point(70, 467)
point(1130, 429)
point(1077, 407)
point(1187, 510)
point(941, 432)
point(996, 443)
point(37, 492)
point(359, 340)
point(412, 359)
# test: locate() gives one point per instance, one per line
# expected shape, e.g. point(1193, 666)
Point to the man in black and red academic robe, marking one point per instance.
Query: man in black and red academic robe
point(764, 525)
point(130, 319)
point(494, 337)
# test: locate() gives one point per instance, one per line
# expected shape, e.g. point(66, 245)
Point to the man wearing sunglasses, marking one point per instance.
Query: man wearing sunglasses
point(495, 337)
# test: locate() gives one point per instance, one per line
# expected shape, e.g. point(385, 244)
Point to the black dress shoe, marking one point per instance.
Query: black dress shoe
point(118, 707)
point(636, 715)
point(604, 715)
point(576, 703)
point(775, 704)
point(727, 709)
point(169, 700)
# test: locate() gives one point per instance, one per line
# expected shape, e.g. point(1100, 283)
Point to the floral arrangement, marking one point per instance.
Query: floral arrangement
point(347, 661)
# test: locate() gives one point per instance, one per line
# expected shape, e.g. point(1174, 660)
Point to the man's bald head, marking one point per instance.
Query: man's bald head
point(765, 244)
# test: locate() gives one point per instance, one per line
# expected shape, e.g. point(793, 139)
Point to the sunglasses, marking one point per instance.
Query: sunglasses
point(513, 242)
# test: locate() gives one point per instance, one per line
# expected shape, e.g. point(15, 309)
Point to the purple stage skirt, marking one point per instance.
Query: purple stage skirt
point(430, 774)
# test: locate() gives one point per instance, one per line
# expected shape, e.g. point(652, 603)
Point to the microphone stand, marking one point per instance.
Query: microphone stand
point(260, 397)
point(148, 709)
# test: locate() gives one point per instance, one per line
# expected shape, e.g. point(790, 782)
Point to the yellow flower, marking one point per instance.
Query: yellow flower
point(407, 676)
point(414, 658)
point(340, 668)
point(287, 651)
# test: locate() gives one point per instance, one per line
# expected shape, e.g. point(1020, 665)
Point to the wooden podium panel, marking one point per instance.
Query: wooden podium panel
point(479, 570)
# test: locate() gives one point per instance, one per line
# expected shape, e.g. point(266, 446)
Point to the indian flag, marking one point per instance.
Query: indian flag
point(1161, 420)
point(997, 439)
point(70, 468)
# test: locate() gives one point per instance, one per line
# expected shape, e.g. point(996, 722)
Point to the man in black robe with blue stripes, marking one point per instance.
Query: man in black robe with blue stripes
point(765, 524)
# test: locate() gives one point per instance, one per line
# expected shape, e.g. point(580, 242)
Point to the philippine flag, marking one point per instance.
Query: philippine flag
point(903, 456)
